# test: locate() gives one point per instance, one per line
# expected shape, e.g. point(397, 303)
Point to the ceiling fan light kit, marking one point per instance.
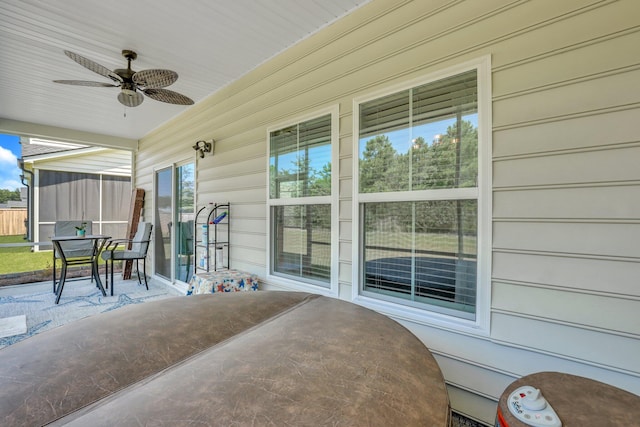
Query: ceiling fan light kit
point(130, 98)
point(150, 82)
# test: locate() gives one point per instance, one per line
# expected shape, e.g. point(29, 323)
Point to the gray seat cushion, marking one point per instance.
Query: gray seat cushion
point(120, 255)
point(139, 245)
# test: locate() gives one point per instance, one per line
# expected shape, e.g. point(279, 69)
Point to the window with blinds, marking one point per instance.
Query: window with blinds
point(300, 160)
point(302, 241)
point(418, 198)
point(300, 200)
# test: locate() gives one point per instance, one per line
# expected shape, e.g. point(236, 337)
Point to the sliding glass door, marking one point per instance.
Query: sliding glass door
point(185, 191)
point(162, 227)
point(173, 222)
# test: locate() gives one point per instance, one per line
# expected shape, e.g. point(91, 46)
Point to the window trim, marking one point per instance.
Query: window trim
point(481, 324)
point(299, 284)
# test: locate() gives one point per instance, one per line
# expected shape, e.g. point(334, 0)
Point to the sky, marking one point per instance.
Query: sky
point(9, 170)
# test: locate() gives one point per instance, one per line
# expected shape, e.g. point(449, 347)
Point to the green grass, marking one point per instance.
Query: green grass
point(445, 242)
point(20, 259)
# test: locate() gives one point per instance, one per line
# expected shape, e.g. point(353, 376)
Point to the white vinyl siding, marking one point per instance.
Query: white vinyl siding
point(566, 181)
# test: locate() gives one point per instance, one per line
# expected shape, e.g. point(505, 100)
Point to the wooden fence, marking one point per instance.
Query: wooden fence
point(12, 222)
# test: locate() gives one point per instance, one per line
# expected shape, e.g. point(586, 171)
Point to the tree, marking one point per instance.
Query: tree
point(320, 181)
point(9, 195)
point(451, 161)
point(468, 155)
point(377, 165)
point(187, 189)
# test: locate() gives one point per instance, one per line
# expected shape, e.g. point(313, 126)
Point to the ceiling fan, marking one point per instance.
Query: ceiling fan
point(149, 82)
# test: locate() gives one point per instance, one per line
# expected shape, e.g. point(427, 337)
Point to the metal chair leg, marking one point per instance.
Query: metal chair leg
point(63, 277)
point(144, 268)
point(138, 272)
point(54, 271)
point(106, 274)
point(112, 282)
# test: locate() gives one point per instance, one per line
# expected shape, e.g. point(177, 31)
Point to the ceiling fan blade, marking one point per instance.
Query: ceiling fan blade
point(93, 66)
point(153, 79)
point(130, 98)
point(169, 96)
point(85, 83)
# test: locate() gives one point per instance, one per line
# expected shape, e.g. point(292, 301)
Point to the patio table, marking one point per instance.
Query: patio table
point(98, 241)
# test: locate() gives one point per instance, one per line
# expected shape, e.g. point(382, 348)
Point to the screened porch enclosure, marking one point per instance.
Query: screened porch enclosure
point(102, 199)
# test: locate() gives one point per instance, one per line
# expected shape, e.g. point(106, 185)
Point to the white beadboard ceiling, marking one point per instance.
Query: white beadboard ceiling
point(208, 43)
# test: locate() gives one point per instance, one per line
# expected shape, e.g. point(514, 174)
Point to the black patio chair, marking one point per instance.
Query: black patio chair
point(79, 252)
point(138, 251)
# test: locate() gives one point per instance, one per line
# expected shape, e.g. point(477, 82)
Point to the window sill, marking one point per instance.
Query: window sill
point(297, 285)
point(423, 317)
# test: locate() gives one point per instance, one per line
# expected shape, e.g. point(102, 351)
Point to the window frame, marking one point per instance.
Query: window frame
point(301, 283)
point(482, 193)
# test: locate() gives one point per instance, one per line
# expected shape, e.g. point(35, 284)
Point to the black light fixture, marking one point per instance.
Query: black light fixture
point(203, 147)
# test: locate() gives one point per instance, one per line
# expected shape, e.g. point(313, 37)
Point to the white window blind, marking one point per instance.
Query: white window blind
point(423, 104)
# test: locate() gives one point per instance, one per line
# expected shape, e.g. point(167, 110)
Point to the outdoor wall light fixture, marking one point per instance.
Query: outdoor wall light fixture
point(204, 147)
